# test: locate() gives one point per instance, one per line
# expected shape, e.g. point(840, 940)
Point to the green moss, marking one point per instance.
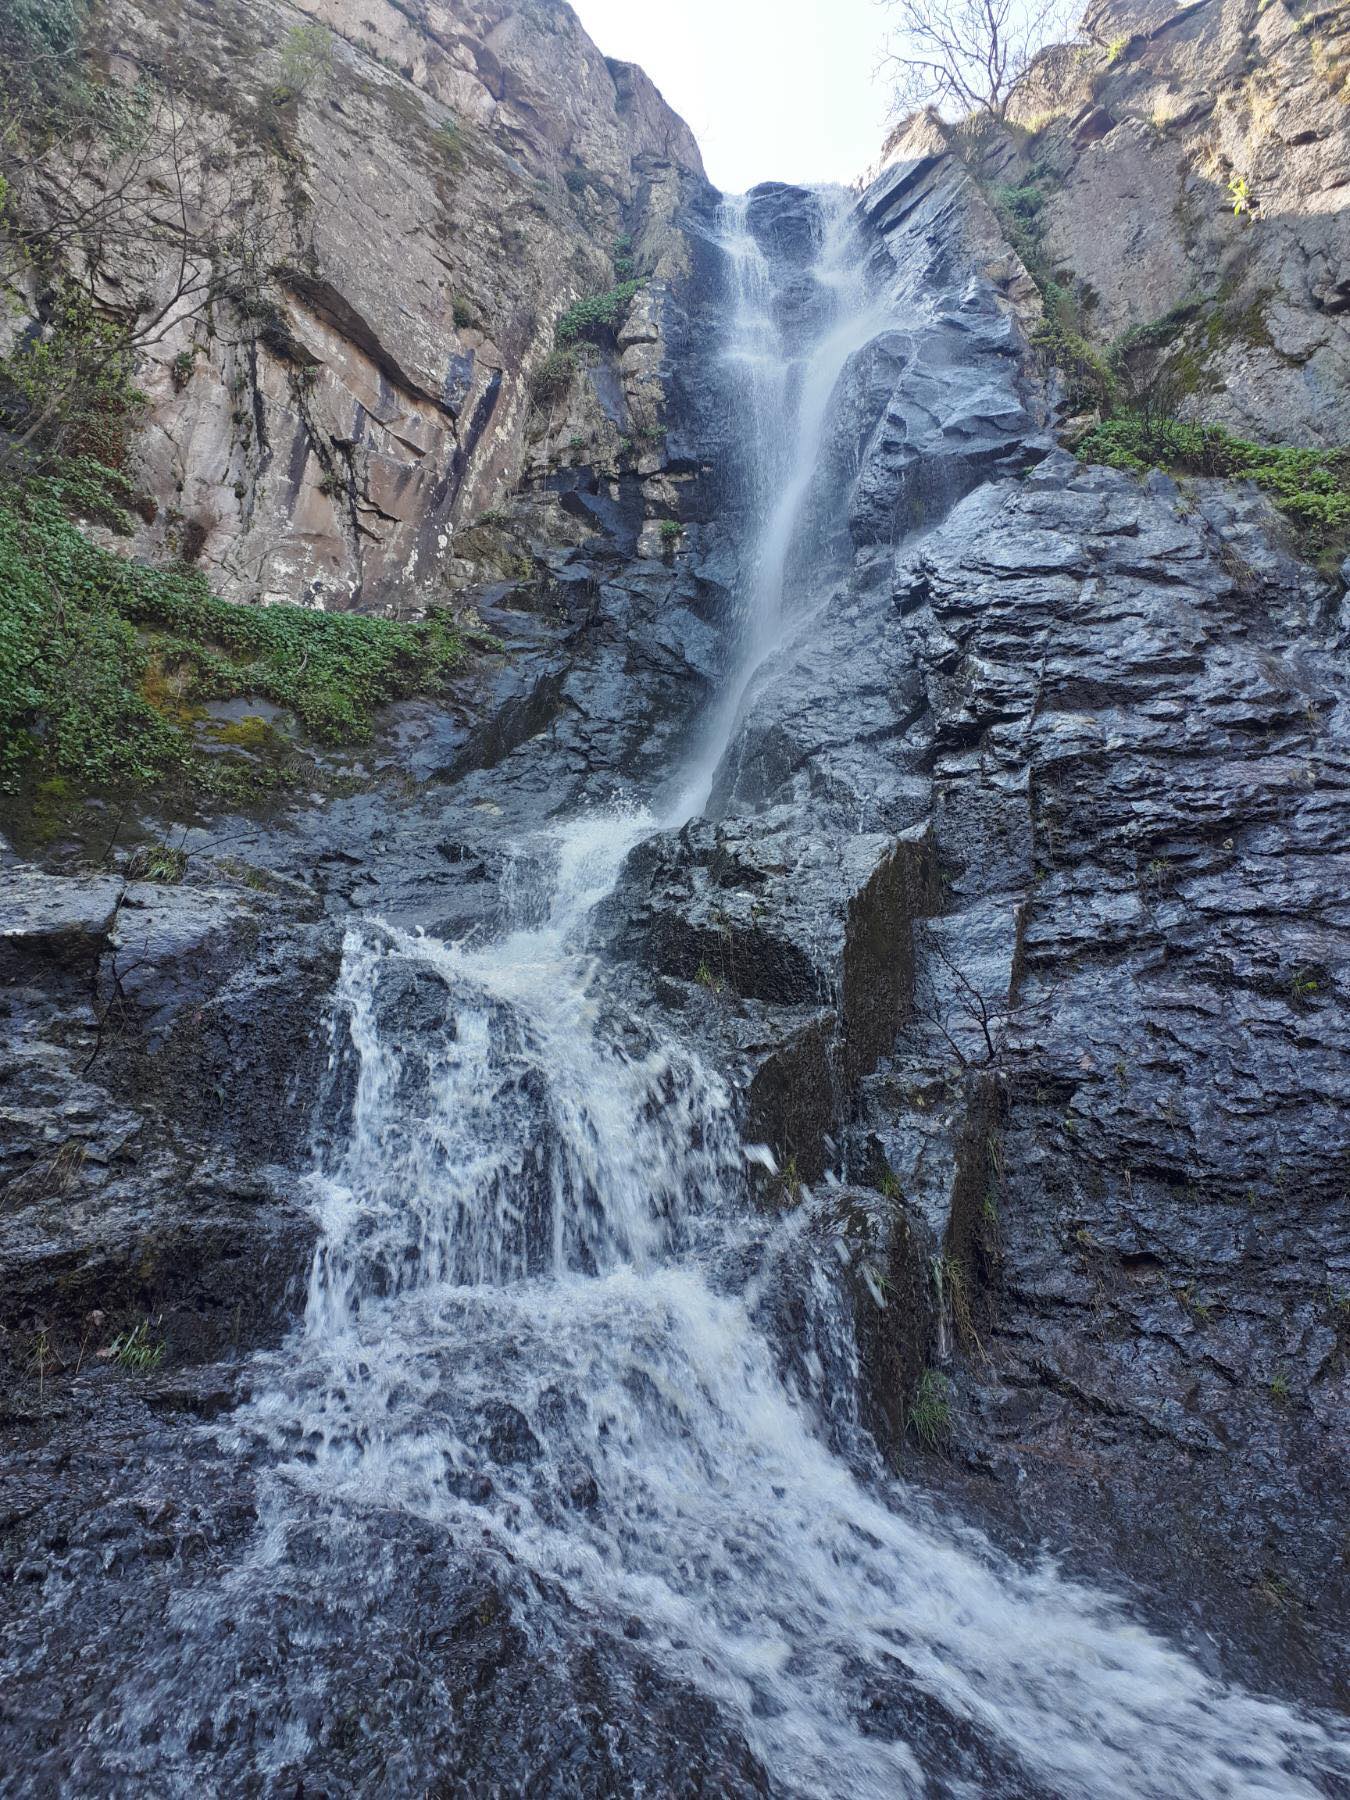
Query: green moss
point(104, 662)
point(252, 733)
point(1311, 487)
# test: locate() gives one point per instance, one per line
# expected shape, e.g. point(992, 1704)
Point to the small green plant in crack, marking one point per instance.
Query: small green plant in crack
point(306, 55)
point(953, 1282)
point(449, 140)
point(598, 317)
point(671, 533)
point(1303, 985)
point(889, 1185)
point(159, 862)
point(1241, 196)
point(42, 1360)
point(134, 1350)
point(929, 1418)
point(705, 978)
point(790, 1184)
point(1279, 1386)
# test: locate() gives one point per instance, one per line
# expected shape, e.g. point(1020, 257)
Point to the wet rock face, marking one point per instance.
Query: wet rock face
point(143, 1178)
point(1138, 709)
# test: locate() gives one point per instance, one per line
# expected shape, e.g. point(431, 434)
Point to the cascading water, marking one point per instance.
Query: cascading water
point(533, 1209)
point(782, 394)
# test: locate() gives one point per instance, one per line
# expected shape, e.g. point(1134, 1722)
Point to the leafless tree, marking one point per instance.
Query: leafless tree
point(968, 56)
point(126, 217)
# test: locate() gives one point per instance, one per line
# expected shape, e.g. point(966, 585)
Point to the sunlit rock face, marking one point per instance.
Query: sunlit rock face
point(445, 185)
point(1191, 167)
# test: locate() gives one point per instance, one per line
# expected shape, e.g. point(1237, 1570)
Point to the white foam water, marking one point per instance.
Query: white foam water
point(762, 1569)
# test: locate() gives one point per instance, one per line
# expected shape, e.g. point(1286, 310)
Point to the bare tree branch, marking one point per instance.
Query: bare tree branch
point(968, 56)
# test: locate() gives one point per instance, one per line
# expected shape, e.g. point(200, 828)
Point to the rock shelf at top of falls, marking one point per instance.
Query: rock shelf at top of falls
point(882, 955)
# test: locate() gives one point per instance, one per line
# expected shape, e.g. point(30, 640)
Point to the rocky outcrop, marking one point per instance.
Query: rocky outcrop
point(1192, 172)
point(420, 204)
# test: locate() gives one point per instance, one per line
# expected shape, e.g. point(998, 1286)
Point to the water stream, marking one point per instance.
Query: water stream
point(532, 1323)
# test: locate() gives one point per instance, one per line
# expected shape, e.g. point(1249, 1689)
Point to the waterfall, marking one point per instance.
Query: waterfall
point(781, 393)
point(536, 1205)
point(534, 1323)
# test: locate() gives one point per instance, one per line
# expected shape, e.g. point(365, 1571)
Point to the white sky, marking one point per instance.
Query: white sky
point(774, 90)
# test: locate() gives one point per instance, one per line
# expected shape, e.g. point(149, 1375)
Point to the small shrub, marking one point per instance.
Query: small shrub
point(1116, 49)
point(671, 532)
point(463, 314)
point(449, 140)
point(598, 317)
point(67, 391)
point(159, 862)
point(552, 380)
point(306, 55)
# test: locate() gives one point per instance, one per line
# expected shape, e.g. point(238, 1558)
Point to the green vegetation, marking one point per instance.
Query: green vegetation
point(133, 1350)
point(449, 140)
point(598, 317)
point(1116, 49)
point(1138, 430)
point(1090, 380)
point(1312, 487)
point(68, 393)
point(553, 378)
point(104, 661)
point(159, 862)
point(671, 532)
point(306, 55)
point(790, 1184)
point(930, 1412)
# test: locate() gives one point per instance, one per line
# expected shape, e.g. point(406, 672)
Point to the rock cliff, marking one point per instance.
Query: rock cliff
point(1190, 166)
point(1015, 920)
point(430, 192)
